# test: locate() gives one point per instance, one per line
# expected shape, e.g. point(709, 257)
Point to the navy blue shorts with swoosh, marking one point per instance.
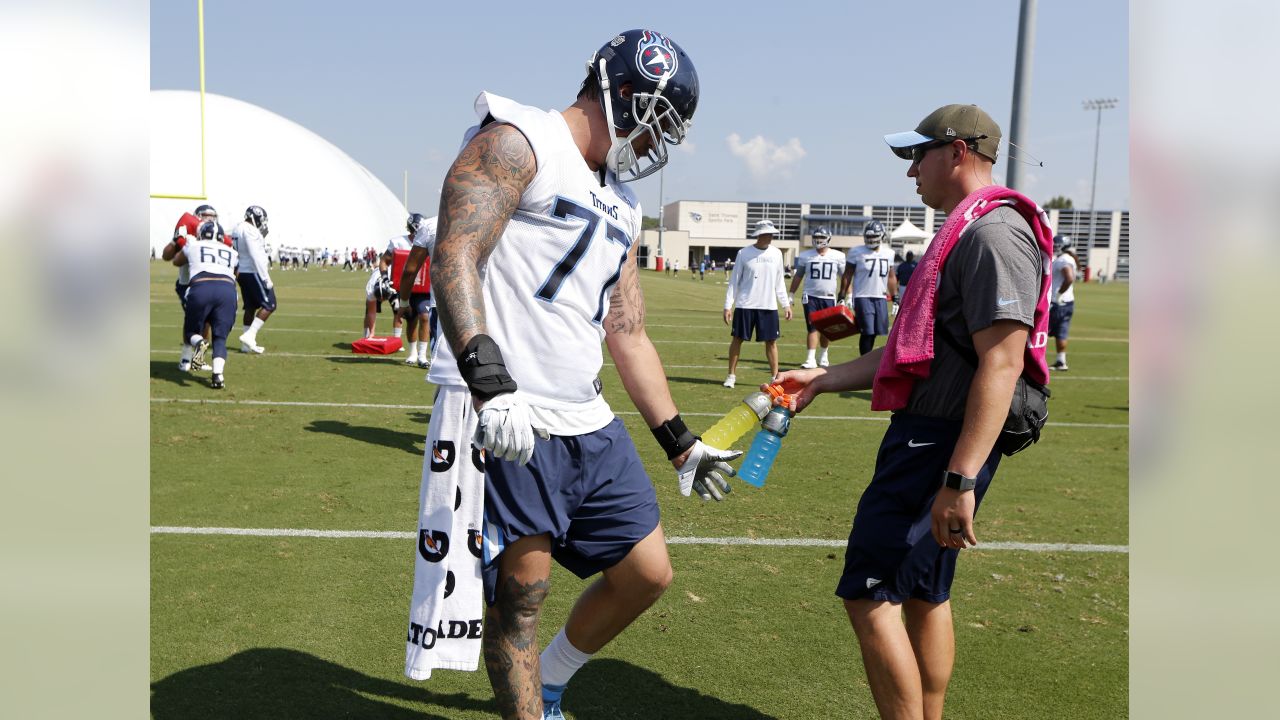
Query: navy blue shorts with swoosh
point(891, 553)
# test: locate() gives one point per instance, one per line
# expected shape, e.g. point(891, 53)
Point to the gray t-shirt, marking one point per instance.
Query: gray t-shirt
point(993, 273)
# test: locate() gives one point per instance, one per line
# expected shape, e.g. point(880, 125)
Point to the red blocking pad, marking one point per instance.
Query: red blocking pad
point(376, 346)
point(835, 322)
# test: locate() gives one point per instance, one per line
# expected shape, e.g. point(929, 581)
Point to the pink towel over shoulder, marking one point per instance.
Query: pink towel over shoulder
point(909, 351)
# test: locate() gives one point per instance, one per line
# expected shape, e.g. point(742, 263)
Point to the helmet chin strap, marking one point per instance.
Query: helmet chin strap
point(612, 160)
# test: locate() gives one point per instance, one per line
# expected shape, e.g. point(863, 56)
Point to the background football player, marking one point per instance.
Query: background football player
point(819, 269)
point(870, 269)
point(256, 288)
point(211, 297)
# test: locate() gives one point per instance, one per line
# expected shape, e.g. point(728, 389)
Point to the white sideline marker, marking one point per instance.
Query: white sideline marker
point(766, 542)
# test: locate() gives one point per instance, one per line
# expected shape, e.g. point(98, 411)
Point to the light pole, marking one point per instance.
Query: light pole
point(1099, 105)
point(662, 220)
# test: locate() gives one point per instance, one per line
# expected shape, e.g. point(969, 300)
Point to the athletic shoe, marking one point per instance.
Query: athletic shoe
point(1059, 366)
point(197, 358)
point(425, 363)
point(808, 365)
point(184, 365)
point(551, 711)
point(824, 362)
point(217, 383)
point(411, 360)
point(730, 381)
point(248, 348)
point(206, 367)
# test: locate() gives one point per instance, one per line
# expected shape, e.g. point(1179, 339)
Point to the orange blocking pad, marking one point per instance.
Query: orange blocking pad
point(835, 322)
point(377, 346)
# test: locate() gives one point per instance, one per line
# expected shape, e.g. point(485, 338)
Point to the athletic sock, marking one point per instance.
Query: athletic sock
point(256, 326)
point(824, 355)
point(398, 331)
point(218, 364)
point(195, 339)
point(413, 352)
point(187, 352)
point(560, 660)
point(809, 359)
point(1062, 358)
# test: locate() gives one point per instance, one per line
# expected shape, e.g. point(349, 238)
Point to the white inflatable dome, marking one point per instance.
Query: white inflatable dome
point(315, 195)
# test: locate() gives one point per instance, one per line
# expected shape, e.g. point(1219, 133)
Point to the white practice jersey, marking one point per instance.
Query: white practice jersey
point(427, 238)
point(1060, 263)
point(399, 242)
point(871, 270)
point(821, 272)
point(757, 282)
point(211, 256)
point(548, 281)
point(252, 249)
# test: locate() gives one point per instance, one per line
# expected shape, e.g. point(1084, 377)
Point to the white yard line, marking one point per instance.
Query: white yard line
point(767, 542)
point(379, 406)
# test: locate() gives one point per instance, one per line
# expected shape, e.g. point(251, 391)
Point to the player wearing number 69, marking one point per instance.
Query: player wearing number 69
point(870, 267)
point(534, 266)
point(211, 296)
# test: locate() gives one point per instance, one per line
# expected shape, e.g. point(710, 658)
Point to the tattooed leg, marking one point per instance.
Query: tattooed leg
point(511, 628)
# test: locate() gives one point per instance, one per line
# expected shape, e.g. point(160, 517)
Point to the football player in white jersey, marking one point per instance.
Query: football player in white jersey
point(870, 268)
point(534, 265)
point(1062, 296)
point(421, 311)
point(819, 269)
point(256, 288)
point(211, 296)
point(381, 274)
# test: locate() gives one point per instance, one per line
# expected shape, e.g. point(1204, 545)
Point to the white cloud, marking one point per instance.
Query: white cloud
point(765, 158)
point(687, 147)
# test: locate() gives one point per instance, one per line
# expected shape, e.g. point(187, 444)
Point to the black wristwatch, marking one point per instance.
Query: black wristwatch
point(956, 481)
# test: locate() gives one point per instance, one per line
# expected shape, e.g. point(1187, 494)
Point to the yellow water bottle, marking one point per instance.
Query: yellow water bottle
point(733, 426)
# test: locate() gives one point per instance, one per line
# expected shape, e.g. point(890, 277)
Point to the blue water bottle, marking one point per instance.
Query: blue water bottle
point(764, 448)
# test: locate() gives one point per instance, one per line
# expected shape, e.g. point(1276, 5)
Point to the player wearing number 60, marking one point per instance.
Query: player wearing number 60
point(535, 265)
point(211, 296)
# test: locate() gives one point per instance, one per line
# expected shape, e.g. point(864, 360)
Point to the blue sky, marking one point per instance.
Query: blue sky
point(795, 99)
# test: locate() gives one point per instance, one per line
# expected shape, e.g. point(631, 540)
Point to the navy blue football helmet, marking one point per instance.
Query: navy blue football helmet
point(208, 210)
point(1061, 243)
point(414, 224)
point(821, 238)
point(258, 217)
point(663, 97)
point(209, 230)
point(873, 234)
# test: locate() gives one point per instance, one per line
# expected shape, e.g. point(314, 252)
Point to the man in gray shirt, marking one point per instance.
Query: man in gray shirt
point(937, 458)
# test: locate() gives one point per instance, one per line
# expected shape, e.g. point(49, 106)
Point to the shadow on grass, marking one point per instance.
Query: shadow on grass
point(607, 689)
point(693, 380)
point(168, 370)
point(407, 442)
point(281, 684)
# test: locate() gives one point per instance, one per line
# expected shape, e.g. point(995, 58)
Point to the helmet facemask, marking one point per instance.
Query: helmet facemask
point(655, 116)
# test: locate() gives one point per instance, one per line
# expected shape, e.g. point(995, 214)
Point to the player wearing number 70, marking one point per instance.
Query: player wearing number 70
point(870, 268)
point(535, 265)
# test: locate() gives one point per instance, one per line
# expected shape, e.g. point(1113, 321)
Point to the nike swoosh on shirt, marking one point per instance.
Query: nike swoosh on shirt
point(1002, 302)
point(914, 444)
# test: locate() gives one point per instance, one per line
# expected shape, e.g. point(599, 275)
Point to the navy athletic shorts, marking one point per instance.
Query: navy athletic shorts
point(873, 315)
point(419, 304)
point(256, 294)
point(181, 289)
point(813, 305)
point(590, 493)
point(1060, 319)
point(892, 555)
point(211, 301)
point(763, 322)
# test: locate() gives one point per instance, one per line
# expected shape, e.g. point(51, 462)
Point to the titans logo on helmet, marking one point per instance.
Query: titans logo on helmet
point(655, 56)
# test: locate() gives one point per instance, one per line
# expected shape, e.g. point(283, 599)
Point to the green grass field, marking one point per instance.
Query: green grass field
point(272, 627)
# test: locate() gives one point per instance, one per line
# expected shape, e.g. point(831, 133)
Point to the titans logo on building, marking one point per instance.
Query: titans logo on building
point(656, 56)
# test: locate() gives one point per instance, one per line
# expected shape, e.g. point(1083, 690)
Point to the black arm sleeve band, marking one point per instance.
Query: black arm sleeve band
point(674, 437)
point(480, 363)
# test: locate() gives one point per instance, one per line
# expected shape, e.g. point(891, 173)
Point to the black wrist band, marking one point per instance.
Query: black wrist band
point(480, 363)
point(674, 437)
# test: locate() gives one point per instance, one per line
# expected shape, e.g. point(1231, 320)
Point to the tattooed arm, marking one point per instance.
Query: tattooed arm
point(633, 352)
point(480, 194)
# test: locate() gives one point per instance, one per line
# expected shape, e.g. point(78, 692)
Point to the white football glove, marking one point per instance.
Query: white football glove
point(505, 428)
point(704, 470)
